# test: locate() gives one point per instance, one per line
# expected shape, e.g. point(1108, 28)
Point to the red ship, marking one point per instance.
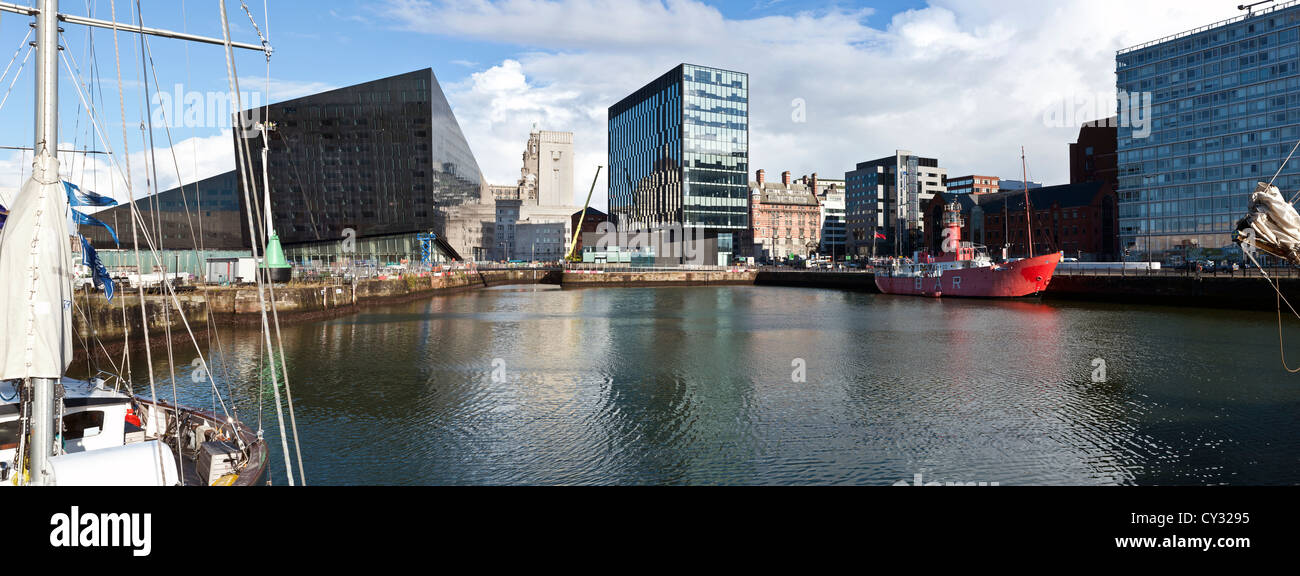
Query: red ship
point(966, 270)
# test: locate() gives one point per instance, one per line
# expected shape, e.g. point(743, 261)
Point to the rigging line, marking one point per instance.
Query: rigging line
point(213, 332)
point(242, 159)
point(87, 320)
point(148, 239)
point(16, 75)
point(151, 163)
point(266, 42)
point(1279, 168)
point(130, 190)
point(171, 146)
point(124, 369)
point(16, 53)
point(96, 81)
point(275, 313)
point(1281, 347)
point(148, 50)
point(1281, 299)
point(197, 240)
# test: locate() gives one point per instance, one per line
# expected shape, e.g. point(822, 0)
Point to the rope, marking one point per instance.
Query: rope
point(195, 238)
point(130, 190)
point(1280, 299)
point(16, 53)
point(16, 75)
point(148, 239)
point(266, 43)
point(275, 313)
point(242, 160)
point(1279, 169)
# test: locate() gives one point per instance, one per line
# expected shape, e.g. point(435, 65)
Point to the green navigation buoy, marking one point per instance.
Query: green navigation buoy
point(278, 269)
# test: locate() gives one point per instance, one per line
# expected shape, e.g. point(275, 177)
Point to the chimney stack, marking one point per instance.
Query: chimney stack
point(814, 183)
point(761, 179)
point(785, 178)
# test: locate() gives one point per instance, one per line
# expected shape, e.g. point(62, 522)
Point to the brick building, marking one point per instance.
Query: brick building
point(785, 218)
point(1094, 158)
point(1079, 220)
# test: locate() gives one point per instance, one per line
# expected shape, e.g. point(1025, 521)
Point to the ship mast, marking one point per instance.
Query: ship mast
point(45, 168)
point(1029, 224)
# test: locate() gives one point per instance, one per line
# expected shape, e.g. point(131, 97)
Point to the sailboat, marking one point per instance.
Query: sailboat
point(56, 430)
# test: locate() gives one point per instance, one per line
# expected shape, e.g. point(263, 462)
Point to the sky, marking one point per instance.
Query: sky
point(831, 83)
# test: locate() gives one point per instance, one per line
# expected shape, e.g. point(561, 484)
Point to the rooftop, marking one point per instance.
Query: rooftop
point(1207, 27)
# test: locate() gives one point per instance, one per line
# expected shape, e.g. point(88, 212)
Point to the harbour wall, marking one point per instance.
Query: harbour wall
point(606, 278)
point(105, 325)
point(1205, 291)
point(109, 326)
point(811, 279)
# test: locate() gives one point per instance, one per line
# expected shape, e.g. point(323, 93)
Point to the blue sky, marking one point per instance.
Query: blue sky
point(331, 42)
point(968, 82)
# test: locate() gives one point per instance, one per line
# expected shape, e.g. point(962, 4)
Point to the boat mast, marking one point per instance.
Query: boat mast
point(1029, 224)
point(45, 169)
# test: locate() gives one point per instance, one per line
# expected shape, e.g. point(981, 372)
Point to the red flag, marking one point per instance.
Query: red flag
point(880, 236)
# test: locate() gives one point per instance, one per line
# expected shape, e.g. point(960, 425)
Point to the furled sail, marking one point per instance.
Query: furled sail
point(36, 275)
point(1273, 223)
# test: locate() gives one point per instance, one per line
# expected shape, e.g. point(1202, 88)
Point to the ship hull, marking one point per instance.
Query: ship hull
point(1012, 280)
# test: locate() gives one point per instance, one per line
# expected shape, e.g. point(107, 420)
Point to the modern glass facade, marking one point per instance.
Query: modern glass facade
point(1224, 113)
point(201, 215)
point(383, 158)
point(885, 196)
point(679, 153)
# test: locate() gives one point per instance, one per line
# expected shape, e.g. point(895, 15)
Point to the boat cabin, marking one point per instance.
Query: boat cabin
point(95, 417)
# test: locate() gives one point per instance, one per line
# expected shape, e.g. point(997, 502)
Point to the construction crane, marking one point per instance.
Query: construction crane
point(573, 242)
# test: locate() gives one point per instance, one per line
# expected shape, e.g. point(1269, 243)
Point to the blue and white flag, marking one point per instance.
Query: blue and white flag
point(79, 197)
point(84, 220)
point(90, 258)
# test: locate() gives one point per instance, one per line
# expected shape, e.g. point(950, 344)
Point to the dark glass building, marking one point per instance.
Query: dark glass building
point(204, 215)
point(386, 159)
point(1205, 115)
point(679, 156)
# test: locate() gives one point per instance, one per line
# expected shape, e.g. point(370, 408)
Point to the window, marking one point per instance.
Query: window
point(83, 424)
point(9, 432)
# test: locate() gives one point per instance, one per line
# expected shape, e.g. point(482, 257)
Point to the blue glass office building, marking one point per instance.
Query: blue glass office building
point(679, 154)
point(1224, 112)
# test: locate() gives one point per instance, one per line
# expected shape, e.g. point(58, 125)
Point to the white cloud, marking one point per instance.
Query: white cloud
point(968, 82)
point(195, 159)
